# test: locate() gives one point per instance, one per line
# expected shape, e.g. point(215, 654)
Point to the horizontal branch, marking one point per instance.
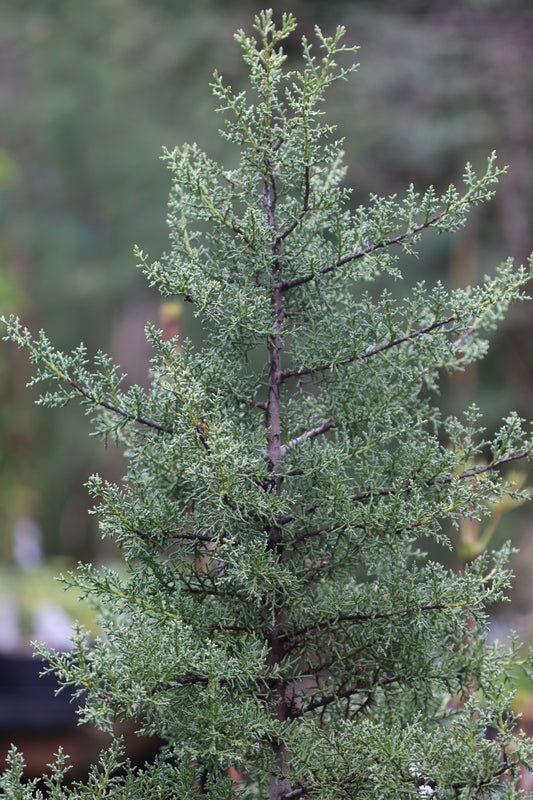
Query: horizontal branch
point(193, 537)
point(116, 410)
point(201, 429)
point(316, 532)
point(286, 518)
point(302, 790)
point(255, 403)
point(311, 434)
point(339, 529)
point(326, 700)
point(471, 473)
point(345, 694)
point(289, 373)
point(188, 679)
point(55, 370)
point(283, 520)
point(187, 589)
point(284, 285)
point(359, 617)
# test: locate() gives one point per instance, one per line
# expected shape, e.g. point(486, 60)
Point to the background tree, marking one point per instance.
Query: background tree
point(277, 614)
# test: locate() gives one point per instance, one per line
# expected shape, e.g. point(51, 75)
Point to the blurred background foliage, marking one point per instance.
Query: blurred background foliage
point(90, 92)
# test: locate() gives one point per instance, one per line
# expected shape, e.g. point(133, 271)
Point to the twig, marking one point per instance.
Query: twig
point(187, 679)
point(116, 410)
point(192, 536)
point(472, 473)
point(255, 403)
point(361, 253)
point(240, 186)
point(308, 435)
point(289, 373)
point(286, 518)
point(359, 617)
point(305, 208)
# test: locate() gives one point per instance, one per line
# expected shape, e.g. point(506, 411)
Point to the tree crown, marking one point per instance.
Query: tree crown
point(277, 619)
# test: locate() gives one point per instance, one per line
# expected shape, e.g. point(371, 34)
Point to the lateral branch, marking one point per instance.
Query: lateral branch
point(120, 411)
point(298, 372)
point(284, 285)
point(302, 791)
point(472, 473)
point(311, 434)
point(359, 617)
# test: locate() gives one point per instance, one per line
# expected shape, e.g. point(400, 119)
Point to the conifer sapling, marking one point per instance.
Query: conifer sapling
point(277, 622)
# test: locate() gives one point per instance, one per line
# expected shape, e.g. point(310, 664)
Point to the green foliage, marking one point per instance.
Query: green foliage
point(277, 615)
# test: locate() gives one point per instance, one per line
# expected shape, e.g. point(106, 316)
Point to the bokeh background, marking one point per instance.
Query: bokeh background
point(89, 94)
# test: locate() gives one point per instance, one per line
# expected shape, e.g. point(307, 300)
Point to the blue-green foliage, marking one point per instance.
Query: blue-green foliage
point(276, 614)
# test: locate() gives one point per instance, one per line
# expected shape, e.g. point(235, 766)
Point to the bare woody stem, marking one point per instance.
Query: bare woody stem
point(364, 252)
point(274, 453)
point(301, 792)
point(472, 473)
point(311, 434)
point(358, 618)
point(116, 410)
point(298, 372)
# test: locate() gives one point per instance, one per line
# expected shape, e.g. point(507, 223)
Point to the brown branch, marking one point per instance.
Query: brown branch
point(289, 229)
point(255, 403)
point(326, 700)
point(362, 253)
point(300, 792)
point(289, 373)
point(339, 530)
point(195, 537)
point(408, 336)
point(311, 434)
point(271, 609)
point(303, 789)
point(240, 186)
point(458, 342)
point(305, 208)
point(316, 532)
point(360, 617)
point(199, 590)
point(286, 518)
point(116, 410)
point(230, 628)
point(289, 517)
point(187, 679)
point(472, 473)
point(506, 767)
point(294, 794)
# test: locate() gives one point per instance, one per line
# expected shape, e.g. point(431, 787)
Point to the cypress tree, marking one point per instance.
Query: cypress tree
point(276, 620)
